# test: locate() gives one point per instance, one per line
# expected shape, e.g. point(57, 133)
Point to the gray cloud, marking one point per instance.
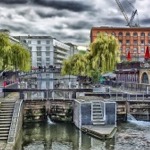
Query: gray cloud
point(66, 20)
point(14, 1)
point(75, 6)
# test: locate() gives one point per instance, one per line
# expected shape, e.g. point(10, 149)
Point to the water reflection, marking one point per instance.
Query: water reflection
point(60, 137)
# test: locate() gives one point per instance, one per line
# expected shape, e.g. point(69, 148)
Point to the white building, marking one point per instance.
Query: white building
point(46, 50)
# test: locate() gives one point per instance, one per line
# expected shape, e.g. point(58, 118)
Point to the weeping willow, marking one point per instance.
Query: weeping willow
point(13, 55)
point(102, 58)
point(105, 52)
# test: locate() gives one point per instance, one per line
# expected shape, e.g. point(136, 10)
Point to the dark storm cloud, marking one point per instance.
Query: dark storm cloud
point(114, 20)
point(50, 14)
point(68, 5)
point(79, 25)
point(14, 1)
point(145, 21)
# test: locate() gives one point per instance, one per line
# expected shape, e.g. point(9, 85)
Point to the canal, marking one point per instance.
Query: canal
point(134, 135)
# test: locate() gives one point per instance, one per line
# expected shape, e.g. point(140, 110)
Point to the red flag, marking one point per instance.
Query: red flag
point(147, 55)
point(129, 56)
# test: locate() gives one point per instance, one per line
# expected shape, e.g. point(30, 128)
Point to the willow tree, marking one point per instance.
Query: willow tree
point(75, 65)
point(105, 53)
point(20, 57)
point(5, 51)
point(13, 55)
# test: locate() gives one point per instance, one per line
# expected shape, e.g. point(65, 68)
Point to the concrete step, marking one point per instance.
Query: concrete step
point(4, 128)
point(3, 138)
point(98, 122)
point(4, 135)
point(6, 108)
point(5, 119)
point(97, 117)
point(4, 125)
point(4, 132)
point(6, 111)
point(5, 122)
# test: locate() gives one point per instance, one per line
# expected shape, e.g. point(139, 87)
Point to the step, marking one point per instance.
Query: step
point(4, 132)
point(4, 125)
point(3, 138)
point(4, 135)
point(102, 122)
point(4, 128)
point(5, 122)
point(97, 117)
point(6, 110)
point(5, 119)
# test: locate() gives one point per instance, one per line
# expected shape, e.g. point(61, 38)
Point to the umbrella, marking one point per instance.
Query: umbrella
point(147, 55)
point(129, 56)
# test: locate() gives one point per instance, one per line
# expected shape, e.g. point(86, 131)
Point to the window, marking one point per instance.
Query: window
point(127, 42)
point(135, 42)
point(120, 34)
point(48, 48)
point(142, 49)
point(113, 33)
point(127, 34)
point(135, 34)
point(29, 42)
point(47, 64)
point(38, 42)
point(120, 41)
point(149, 34)
point(39, 64)
point(142, 42)
point(142, 34)
point(148, 42)
point(47, 53)
point(135, 50)
point(30, 48)
point(38, 59)
point(127, 49)
point(47, 42)
point(38, 48)
point(38, 53)
point(47, 59)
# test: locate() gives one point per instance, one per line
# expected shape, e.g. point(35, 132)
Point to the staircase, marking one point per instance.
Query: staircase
point(97, 114)
point(6, 112)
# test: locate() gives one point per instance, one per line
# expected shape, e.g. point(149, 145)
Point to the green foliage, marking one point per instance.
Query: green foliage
point(102, 58)
point(13, 55)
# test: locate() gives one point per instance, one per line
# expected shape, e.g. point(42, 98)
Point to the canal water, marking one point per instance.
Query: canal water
point(134, 135)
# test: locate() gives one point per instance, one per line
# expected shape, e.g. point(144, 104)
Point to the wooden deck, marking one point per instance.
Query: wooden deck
point(101, 131)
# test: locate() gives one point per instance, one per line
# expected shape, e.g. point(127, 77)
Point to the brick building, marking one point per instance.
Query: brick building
point(133, 39)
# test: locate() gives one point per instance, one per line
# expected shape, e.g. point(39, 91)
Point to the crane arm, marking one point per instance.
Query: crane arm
point(122, 10)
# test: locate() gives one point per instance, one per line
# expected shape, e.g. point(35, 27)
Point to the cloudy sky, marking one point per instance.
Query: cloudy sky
point(66, 20)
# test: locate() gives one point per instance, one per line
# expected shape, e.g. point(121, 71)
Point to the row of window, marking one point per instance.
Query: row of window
point(39, 42)
point(40, 59)
point(135, 42)
point(135, 50)
point(39, 48)
point(39, 53)
point(135, 34)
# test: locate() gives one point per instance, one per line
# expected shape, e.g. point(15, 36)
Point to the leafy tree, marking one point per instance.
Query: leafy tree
point(102, 58)
point(13, 55)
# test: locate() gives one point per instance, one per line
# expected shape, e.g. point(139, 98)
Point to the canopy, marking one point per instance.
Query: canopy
point(109, 74)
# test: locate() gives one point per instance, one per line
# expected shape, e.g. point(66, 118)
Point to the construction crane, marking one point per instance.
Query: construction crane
point(133, 21)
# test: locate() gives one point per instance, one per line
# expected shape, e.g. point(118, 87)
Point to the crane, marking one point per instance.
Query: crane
point(133, 21)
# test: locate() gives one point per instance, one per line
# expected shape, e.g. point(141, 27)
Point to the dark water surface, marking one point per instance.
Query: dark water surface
point(65, 136)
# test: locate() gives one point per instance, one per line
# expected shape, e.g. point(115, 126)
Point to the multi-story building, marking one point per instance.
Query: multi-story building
point(46, 50)
point(133, 39)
